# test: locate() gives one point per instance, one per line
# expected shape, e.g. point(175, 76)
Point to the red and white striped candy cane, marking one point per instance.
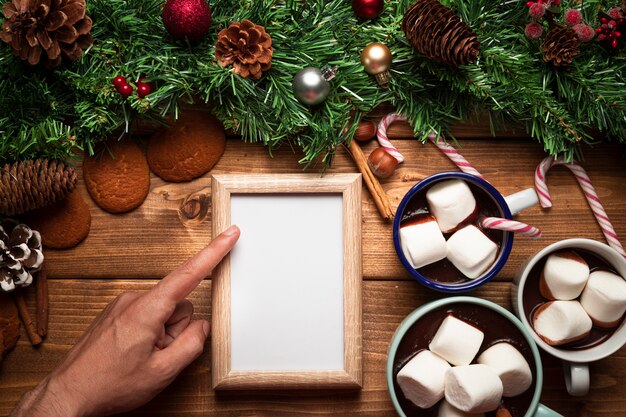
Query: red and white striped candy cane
point(444, 147)
point(383, 140)
point(510, 226)
point(590, 193)
point(462, 163)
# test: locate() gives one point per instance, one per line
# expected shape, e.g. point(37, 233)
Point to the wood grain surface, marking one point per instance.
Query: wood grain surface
point(128, 252)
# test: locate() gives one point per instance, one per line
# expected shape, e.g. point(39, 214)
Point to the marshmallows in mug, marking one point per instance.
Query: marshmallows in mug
point(564, 276)
point(604, 298)
point(421, 379)
point(471, 251)
point(468, 390)
point(511, 367)
point(560, 322)
point(456, 341)
point(452, 203)
point(473, 388)
point(422, 242)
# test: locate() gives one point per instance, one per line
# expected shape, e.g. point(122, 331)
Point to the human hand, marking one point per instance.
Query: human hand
point(133, 349)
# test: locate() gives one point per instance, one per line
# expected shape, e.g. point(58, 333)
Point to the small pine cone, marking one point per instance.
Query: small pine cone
point(46, 30)
point(437, 32)
point(245, 46)
point(28, 185)
point(560, 46)
point(20, 255)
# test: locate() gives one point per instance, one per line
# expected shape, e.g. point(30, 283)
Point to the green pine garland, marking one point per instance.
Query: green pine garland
point(48, 114)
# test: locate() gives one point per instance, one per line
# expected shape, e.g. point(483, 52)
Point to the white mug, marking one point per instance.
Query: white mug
point(575, 362)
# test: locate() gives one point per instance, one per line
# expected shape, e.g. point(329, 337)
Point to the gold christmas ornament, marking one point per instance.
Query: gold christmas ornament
point(376, 58)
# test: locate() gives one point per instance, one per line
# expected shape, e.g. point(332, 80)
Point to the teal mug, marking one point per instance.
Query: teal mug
point(502, 321)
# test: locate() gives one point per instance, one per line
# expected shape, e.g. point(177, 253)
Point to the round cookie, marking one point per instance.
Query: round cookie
point(188, 149)
point(64, 224)
point(117, 178)
point(9, 324)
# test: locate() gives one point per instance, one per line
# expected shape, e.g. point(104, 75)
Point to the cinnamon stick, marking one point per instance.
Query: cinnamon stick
point(42, 303)
point(27, 320)
point(376, 190)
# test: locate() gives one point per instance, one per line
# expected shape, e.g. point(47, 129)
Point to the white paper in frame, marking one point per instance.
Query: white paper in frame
point(286, 303)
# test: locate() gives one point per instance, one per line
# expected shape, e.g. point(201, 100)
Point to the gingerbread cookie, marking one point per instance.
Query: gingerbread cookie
point(64, 224)
point(188, 149)
point(9, 324)
point(118, 177)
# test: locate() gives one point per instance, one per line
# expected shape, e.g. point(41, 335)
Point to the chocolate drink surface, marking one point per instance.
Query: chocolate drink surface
point(532, 299)
point(496, 328)
point(444, 271)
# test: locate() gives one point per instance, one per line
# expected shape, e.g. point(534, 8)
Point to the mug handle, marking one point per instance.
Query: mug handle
point(543, 411)
point(576, 378)
point(521, 200)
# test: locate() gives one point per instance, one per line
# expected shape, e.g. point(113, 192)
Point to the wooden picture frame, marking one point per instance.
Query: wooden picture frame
point(348, 188)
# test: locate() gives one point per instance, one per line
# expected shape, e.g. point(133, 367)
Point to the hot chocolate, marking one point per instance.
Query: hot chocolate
point(444, 271)
point(532, 299)
point(496, 329)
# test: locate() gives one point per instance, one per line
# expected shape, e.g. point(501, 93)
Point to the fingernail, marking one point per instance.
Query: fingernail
point(206, 328)
point(232, 230)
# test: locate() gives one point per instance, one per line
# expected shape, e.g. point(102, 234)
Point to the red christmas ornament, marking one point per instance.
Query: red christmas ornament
point(119, 81)
point(143, 89)
point(368, 9)
point(125, 90)
point(188, 19)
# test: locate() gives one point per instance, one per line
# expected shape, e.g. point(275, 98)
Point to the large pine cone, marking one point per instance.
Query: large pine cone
point(20, 255)
point(437, 32)
point(245, 46)
point(560, 46)
point(46, 30)
point(28, 185)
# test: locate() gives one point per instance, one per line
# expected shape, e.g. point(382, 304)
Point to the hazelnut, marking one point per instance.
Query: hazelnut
point(365, 131)
point(382, 163)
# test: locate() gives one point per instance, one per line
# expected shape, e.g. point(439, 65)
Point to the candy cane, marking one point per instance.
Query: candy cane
point(590, 193)
point(381, 134)
point(510, 226)
point(462, 163)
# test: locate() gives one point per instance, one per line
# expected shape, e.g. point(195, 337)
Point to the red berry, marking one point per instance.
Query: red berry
point(537, 11)
point(601, 37)
point(573, 17)
point(119, 81)
point(603, 20)
point(618, 34)
point(125, 90)
point(614, 43)
point(584, 32)
point(529, 3)
point(533, 30)
point(143, 89)
point(556, 2)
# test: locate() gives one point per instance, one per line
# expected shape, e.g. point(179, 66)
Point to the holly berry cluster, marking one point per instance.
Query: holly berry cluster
point(125, 89)
point(611, 27)
point(547, 10)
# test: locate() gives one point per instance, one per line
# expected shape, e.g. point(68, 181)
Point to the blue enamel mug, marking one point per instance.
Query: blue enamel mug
point(506, 207)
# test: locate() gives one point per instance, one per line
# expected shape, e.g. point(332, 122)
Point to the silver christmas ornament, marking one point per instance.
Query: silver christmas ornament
point(311, 85)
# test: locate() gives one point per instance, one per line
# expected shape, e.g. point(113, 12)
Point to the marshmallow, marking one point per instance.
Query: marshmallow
point(471, 251)
point(421, 379)
point(456, 341)
point(604, 298)
point(452, 203)
point(422, 242)
point(473, 388)
point(564, 276)
point(560, 322)
point(511, 367)
point(447, 410)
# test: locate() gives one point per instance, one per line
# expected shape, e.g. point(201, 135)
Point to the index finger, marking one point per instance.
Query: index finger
point(183, 280)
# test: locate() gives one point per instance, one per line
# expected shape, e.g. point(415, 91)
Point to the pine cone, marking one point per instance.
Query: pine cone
point(437, 32)
point(245, 46)
point(28, 185)
point(46, 30)
point(20, 255)
point(560, 46)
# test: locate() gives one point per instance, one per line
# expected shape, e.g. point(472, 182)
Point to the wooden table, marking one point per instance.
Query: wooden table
point(130, 252)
